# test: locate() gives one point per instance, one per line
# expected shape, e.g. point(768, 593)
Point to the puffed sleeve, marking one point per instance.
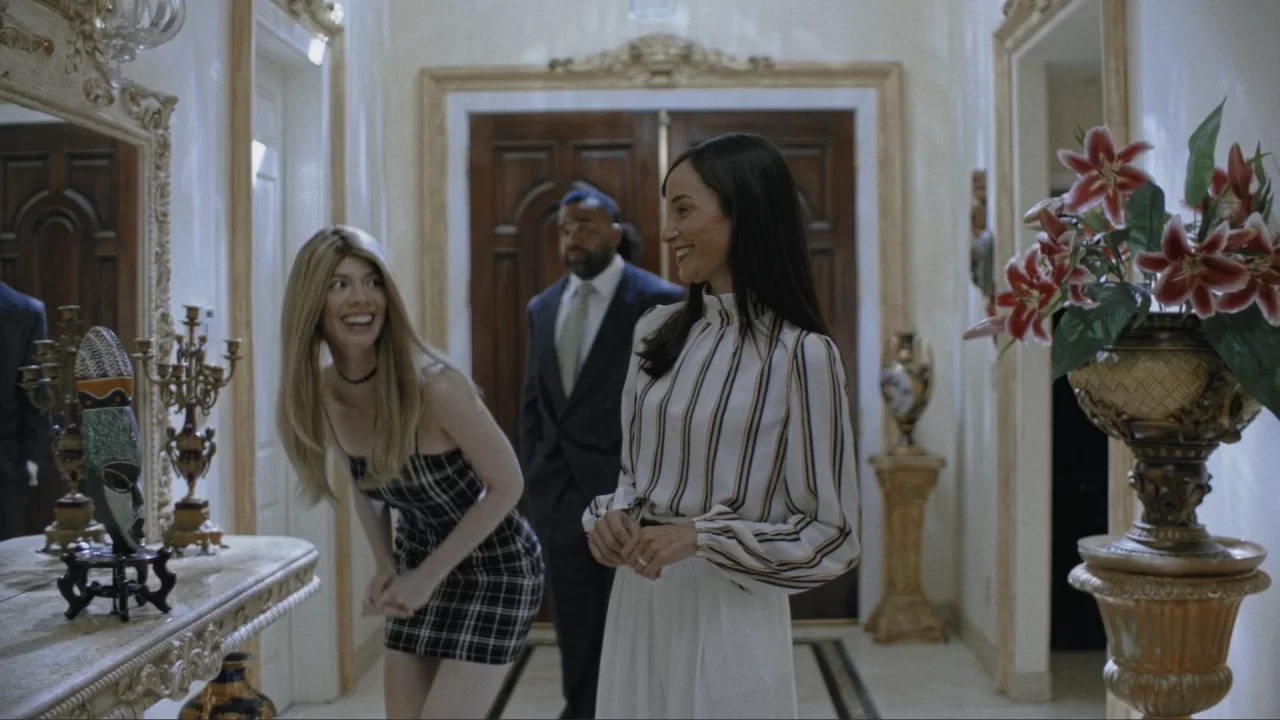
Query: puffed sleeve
point(624, 497)
point(818, 541)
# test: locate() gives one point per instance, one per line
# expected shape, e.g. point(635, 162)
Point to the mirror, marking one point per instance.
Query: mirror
point(84, 206)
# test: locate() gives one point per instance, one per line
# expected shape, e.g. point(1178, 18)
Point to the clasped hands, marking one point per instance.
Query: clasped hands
point(399, 596)
point(618, 540)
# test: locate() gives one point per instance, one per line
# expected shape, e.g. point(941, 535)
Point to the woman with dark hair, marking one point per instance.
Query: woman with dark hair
point(738, 483)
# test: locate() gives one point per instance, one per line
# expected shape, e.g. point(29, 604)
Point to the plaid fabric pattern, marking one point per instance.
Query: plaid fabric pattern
point(484, 609)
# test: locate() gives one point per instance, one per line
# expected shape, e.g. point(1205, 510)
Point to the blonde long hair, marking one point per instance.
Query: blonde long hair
point(402, 358)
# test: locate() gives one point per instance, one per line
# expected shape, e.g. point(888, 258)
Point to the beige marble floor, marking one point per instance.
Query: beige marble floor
point(908, 681)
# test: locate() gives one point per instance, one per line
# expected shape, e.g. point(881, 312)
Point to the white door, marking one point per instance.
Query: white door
point(269, 276)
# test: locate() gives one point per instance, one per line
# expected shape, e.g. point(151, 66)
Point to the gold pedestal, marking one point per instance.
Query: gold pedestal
point(192, 527)
point(72, 522)
point(904, 614)
point(1168, 619)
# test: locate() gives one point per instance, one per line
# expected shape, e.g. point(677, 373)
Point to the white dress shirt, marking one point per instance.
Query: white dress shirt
point(602, 288)
point(752, 440)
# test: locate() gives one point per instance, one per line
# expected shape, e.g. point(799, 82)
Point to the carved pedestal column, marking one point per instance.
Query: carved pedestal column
point(904, 614)
point(1167, 589)
point(1168, 637)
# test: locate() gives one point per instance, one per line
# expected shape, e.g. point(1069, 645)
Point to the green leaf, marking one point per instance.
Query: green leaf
point(1145, 218)
point(1256, 162)
point(1095, 220)
point(1211, 217)
point(1251, 348)
point(1144, 308)
point(1082, 333)
point(1200, 161)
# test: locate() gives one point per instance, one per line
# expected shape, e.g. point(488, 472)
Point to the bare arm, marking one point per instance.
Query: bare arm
point(375, 517)
point(462, 415)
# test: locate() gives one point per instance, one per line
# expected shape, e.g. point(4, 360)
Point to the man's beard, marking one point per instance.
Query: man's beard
point(588, 264)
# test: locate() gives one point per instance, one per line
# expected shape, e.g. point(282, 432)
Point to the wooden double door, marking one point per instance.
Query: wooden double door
point(522, 164)
point(68, 236)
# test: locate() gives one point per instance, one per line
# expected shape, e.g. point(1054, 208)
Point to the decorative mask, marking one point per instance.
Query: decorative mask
point(112, 451)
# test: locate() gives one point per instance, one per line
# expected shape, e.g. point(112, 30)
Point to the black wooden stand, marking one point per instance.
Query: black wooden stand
point(79, 591)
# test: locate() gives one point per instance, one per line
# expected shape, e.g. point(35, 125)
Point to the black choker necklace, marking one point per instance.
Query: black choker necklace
point(358, 381)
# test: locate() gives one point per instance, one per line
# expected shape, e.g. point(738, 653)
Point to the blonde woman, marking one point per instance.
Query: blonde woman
point(463, 580)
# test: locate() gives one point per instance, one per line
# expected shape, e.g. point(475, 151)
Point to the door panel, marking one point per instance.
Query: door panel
point(269, 277)
point(819, 149)
point(521, 165)
point(68, 234)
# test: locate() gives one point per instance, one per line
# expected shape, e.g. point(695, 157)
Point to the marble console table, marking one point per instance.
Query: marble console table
point(96, 666)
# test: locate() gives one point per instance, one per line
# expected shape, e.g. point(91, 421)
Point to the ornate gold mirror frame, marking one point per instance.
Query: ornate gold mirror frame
point(322, 19)
point(50, 62)
point(1024, 20)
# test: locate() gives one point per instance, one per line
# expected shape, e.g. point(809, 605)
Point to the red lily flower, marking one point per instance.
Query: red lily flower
point(1263, 286)
point(1055, 206)
point(1193, 273)
point(1233, 185)
point(1029, 293)
point(1217, 183)
point(1105, 176)
point(1238, 205)
point(1056, 243)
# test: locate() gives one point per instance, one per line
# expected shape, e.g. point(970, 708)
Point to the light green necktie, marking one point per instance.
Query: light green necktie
point(569, 347)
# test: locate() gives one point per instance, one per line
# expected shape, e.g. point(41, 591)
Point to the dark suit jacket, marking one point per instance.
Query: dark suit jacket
point(22, 428)
point(570, 447)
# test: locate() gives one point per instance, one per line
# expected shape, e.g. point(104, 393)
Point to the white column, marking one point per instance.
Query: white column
point(1184, 57)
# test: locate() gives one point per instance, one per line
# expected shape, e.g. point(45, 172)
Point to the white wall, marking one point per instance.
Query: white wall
point(975, 380)
point(14, 114)
point(531, 32)
point(1171, 90)
point(367, 36)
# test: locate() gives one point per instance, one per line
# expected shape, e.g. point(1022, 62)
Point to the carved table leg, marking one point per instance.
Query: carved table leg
point(119, 590)
point(73, 585)
point(168, 579)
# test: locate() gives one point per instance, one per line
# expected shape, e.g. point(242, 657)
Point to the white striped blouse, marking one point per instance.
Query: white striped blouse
point(752, 440)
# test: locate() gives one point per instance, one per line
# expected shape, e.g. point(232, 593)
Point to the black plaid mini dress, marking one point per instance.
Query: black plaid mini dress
point(484, 609)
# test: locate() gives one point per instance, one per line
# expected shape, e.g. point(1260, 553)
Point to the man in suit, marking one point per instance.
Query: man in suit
point(578, 350)
point(22, 428)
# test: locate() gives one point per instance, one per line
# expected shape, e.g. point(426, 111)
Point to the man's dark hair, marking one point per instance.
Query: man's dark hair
point(589, 196)
point(768, 253)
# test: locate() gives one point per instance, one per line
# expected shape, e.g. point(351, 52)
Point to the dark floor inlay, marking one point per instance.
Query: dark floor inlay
point(848, 693)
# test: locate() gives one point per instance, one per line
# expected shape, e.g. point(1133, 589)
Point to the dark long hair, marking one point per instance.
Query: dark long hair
point(768, 252)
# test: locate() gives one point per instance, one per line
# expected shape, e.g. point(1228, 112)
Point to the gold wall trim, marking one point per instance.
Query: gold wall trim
point(1023, 21)
point(662, 61)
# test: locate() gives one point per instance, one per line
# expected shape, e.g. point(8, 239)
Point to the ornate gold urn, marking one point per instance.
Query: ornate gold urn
point(1168, 591)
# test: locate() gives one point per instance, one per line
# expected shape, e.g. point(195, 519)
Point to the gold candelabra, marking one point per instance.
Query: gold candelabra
point(51, 387)
point(188, 384)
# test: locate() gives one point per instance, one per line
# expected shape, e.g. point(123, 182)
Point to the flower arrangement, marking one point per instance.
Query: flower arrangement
point(1224, 266)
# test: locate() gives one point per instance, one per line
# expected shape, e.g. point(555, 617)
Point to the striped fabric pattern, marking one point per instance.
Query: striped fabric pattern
point(752, 440)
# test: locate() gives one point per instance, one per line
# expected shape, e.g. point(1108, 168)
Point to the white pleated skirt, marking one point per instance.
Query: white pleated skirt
point(693, 644)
